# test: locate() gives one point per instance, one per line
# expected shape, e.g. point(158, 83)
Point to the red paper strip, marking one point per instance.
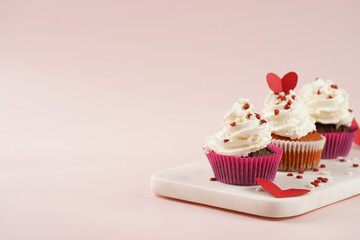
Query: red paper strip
point(279, 193)
point(277, 84)
point(357, 136)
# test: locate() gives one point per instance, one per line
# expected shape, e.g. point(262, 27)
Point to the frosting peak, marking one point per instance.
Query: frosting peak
point(288, 116)
point(327, 103)
point(243, 131)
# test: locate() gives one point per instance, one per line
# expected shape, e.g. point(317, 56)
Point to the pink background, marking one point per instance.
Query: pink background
point(96, 96)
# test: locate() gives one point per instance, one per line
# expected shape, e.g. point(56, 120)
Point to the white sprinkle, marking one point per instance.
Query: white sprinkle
point(338, 158)
point(320, 185)
point(259, 189)
point(349, 173)
point(310, 186)
point(324, 173)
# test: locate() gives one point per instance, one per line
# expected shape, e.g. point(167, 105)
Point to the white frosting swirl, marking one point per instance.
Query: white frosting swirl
point(287, 115)
point(243, 132)
point(327, 103)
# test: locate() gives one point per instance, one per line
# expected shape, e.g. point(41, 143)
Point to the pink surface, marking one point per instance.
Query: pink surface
point(244, 171)
point(94, 93)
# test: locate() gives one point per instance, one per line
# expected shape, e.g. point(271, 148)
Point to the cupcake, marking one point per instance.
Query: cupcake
point(240, 152)
point(329, 106)
point(292, 127)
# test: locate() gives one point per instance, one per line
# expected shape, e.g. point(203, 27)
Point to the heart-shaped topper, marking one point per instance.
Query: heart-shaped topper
point(277, 84)
point(277, 192)
point(354, 125)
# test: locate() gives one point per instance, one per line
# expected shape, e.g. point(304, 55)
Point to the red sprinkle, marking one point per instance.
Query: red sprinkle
point(350, 110)
point(342, 160)
point(315, 169)
point(316, 78)
point(213, 179)
point(276, 93)
point(246, 106)
point(330, 96)
point(287, 92)
point(324, 180)
point(320, 178)
point(287, 106)
point(315, 184)
point(289, 102)
point(355, 165)
point(257, 115)
point(262, 121)
point(226, 140)
point(233, 124)
point(301, 172)
point(293, 97)
point(318, 92)
point(276, 111)
point(334, 86)
point(249, 115)
point(283, 98)
point(322, 166)
point(299, 176)
point(317, 181)
point(290, 174)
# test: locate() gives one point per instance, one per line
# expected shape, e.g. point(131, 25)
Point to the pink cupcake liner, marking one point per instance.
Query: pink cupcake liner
point(244, 170)
point(338, 144)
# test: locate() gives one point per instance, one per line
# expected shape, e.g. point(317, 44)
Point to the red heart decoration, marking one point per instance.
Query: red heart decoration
point(277, 192)
point(277, 84)
point(357, 136)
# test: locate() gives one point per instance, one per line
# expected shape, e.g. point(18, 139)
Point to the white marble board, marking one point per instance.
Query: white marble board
point(191, 182)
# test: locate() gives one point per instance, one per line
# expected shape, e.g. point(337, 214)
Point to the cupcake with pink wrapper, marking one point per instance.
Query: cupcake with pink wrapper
point(240, 152)
point(329, 106)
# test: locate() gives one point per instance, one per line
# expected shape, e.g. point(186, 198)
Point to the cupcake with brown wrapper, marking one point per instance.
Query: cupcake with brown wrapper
point(241, 152)
point(292, 127)
point(329, 106)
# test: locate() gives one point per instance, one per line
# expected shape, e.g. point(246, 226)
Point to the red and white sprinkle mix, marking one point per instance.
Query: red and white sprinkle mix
point(355, 165)
point(276, 111)
point(226, 140)
point(233, 124)
point(246, 106)
point(315, 169)
point(299, 177)
point(290, 175)
point(322, 166)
